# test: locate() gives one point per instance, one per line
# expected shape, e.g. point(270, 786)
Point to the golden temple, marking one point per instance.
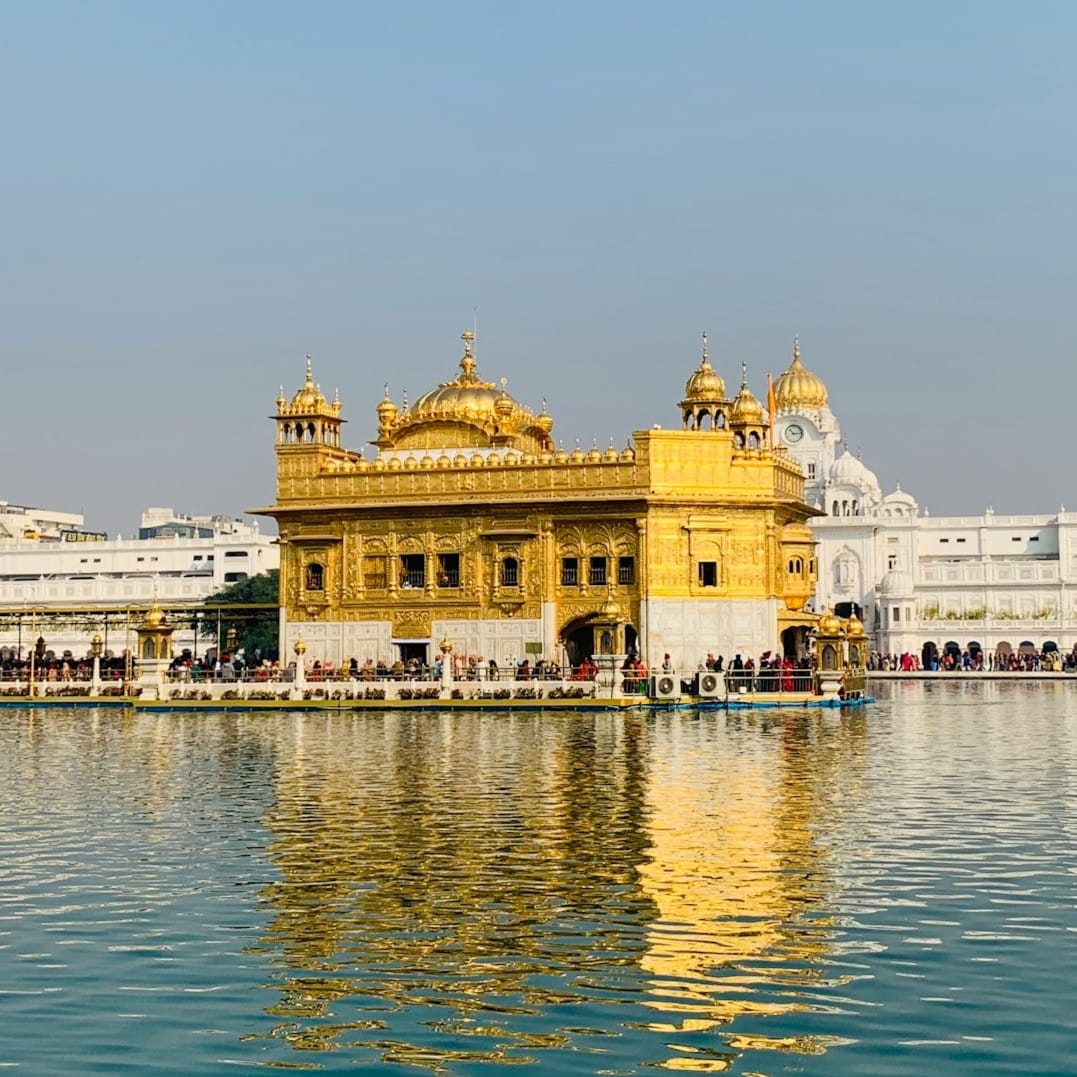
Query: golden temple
point(469, 524)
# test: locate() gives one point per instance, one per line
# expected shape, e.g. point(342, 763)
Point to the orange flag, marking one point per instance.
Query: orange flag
point(772, 406)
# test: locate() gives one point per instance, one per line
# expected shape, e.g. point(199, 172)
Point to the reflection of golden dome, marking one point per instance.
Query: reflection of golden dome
point(799, 387)
point(706, 383)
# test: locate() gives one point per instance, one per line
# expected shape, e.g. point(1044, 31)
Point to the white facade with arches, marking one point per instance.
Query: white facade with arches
point(991, 580)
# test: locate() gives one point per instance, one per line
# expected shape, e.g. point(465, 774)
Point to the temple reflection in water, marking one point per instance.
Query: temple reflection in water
point(494, 868)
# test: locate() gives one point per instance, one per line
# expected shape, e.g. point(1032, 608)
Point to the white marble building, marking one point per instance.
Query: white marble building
point(997, 581)
point(49, 564)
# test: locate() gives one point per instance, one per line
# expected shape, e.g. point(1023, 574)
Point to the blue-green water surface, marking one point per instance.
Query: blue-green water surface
point(889, 890)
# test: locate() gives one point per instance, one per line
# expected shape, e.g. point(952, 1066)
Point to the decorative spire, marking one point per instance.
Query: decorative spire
point(467, 361)
point(744, 375)
point(705, 346)
point(796, 347)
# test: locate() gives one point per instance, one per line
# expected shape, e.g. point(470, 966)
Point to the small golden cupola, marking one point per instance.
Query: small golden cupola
point(309, 419)
point(704, 402)
point(746, 417)
point(798, 387)
point(465, 413)
point(387, 412)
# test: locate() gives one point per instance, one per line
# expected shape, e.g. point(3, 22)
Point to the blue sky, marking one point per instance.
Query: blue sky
point(196, 195)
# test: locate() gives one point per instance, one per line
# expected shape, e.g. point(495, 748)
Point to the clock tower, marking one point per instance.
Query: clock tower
point(806, 426)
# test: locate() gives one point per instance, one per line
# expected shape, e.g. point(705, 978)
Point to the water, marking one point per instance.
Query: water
point(886, 891)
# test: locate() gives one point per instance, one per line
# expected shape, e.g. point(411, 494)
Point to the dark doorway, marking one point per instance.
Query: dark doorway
point(410, 649)
point(579, 644)
point(847, 609)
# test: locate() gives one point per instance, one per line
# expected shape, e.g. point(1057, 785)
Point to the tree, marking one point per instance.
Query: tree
point(256, 619)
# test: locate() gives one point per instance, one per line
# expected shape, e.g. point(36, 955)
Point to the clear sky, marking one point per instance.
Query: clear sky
point(198, 194)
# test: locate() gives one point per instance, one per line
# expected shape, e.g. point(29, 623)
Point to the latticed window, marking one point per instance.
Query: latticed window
point(412, 571)
point(626, 571)
point(448, 570)
point(375, 573)
point(510, 572)
point(315, 578)
point(570, 572)
point(597, 577)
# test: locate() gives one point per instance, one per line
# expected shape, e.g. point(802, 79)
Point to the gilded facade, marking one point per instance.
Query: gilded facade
point(468, 522)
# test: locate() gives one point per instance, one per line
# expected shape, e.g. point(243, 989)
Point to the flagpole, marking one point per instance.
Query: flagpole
point(771, 406)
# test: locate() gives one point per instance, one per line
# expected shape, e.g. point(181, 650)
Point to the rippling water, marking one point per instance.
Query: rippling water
point(886, 891)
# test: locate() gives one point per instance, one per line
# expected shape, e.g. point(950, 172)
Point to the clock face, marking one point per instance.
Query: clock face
point(793, 433)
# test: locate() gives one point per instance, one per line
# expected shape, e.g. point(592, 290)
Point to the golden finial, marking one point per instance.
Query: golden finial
point(467, 361)
point(796, 347)
point(386, 397)
point(404, 398)
point(310, 376)
point(744, 375)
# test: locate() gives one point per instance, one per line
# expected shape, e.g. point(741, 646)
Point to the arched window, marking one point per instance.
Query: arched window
point(753, 440)
point(719, 422)
point(315, 580)
point(510, 572)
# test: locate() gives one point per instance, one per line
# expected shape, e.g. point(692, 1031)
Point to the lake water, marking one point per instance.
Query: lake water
point(886, 891)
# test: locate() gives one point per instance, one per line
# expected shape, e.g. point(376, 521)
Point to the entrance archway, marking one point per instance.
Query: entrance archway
point(580, 639)
point(795, 642)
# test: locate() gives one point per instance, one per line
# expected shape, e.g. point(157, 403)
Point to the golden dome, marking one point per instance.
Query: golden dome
point(799, 387)
point(309, 397)
point(829, 624)
point(856, 626)
point(467, 396)
point(386, 409)
point(746, 410)
point(706, 383)
point(155, 616)
point(466, 412)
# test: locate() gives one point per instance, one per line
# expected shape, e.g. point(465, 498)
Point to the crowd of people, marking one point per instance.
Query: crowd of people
point(975, 660)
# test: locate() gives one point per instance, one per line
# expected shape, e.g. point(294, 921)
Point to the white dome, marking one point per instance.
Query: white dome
point(899, 503)
point(896, 582)
point(847, 470)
